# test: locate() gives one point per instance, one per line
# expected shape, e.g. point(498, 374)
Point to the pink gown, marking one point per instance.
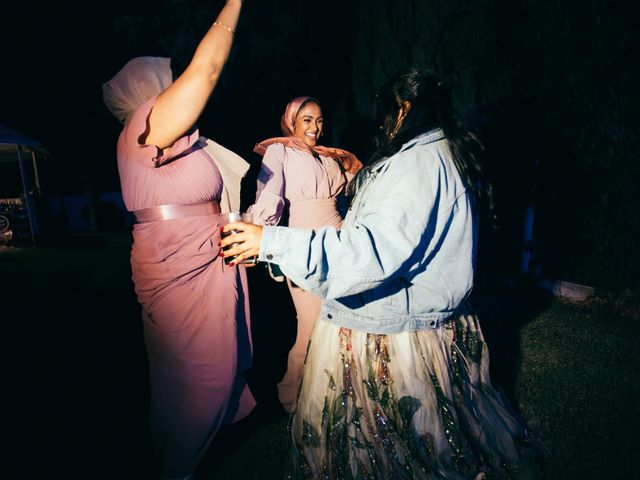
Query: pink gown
point(195, 309)
point(309, 187)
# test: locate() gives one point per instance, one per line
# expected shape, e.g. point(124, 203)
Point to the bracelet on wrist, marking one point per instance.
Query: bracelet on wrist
point(224, 25)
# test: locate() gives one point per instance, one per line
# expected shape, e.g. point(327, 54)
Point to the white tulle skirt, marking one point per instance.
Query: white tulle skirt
point(410, 405)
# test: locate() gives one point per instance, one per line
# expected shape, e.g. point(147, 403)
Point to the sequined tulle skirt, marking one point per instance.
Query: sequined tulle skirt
point(403, 406)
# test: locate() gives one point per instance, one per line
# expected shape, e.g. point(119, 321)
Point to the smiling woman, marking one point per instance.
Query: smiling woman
point(299, 175)
point(309, 123)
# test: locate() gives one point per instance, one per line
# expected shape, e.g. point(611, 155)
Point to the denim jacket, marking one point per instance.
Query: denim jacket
point(404, 256)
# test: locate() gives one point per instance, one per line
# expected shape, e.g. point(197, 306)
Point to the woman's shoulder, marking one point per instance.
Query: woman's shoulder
point(284, 151)
point(276, 148)
point(274, 155)
point(427, 145)
point(136, 127)
point(422, 162)
point(139, 118)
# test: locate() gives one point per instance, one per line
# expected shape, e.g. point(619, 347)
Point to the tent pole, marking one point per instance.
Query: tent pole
point(25, 190)
point(36, 175)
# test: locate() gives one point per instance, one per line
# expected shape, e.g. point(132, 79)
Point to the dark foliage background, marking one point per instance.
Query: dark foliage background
point(549, 86)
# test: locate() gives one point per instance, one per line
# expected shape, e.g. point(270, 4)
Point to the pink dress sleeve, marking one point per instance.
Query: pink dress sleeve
point(136, 129)
point(269, 205)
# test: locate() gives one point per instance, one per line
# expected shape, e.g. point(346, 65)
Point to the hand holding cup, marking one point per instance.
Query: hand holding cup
point(240, 241)
point(230, 249)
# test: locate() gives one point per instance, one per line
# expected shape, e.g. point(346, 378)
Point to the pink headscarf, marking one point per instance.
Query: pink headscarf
point(348, 160)
point(139, 80)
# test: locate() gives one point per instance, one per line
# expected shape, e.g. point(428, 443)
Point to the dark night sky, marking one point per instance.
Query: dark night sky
point(56, 55)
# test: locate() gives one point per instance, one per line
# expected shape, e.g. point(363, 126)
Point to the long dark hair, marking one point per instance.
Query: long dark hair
point(431, 107)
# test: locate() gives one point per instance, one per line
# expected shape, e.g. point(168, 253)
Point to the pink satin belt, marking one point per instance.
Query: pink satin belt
point(314, 213)
point(169, 212)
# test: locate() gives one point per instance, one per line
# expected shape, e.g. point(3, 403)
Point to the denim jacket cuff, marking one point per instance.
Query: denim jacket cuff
point(272, 244)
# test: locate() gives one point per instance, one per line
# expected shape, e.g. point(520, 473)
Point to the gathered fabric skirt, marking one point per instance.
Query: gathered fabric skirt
point(412, 405)
point(195, 312)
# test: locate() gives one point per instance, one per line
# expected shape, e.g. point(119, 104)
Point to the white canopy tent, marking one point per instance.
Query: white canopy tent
point(18, 148)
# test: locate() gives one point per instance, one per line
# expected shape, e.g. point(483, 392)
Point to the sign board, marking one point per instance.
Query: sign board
point(15, 228)
point(5, 224)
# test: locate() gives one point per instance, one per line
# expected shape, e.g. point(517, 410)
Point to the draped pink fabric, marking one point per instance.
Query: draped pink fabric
point(195, 309)
point(346, 159)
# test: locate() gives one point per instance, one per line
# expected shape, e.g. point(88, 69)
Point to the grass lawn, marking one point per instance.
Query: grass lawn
point(75, 391)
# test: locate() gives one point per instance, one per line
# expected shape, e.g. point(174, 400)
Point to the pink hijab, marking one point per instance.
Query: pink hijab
point(140, 79)
point(348, 160)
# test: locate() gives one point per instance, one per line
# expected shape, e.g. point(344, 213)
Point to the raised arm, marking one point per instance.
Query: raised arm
point(180, 105)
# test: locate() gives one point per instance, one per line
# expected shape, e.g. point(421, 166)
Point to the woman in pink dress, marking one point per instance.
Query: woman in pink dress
point(194, 307)
point(299, 175)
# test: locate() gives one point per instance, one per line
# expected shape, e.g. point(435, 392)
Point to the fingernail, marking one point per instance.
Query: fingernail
point(221, 229)
point(222, 254)
point(231, 264)
point(219, 244)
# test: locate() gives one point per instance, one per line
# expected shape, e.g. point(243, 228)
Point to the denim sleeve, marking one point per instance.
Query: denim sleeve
point(394, 218)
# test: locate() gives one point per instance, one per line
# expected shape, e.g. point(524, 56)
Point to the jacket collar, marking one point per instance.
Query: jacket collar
point(422, 139)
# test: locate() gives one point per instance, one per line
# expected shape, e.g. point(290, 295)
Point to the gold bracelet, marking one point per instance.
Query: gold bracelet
point(225, 26)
